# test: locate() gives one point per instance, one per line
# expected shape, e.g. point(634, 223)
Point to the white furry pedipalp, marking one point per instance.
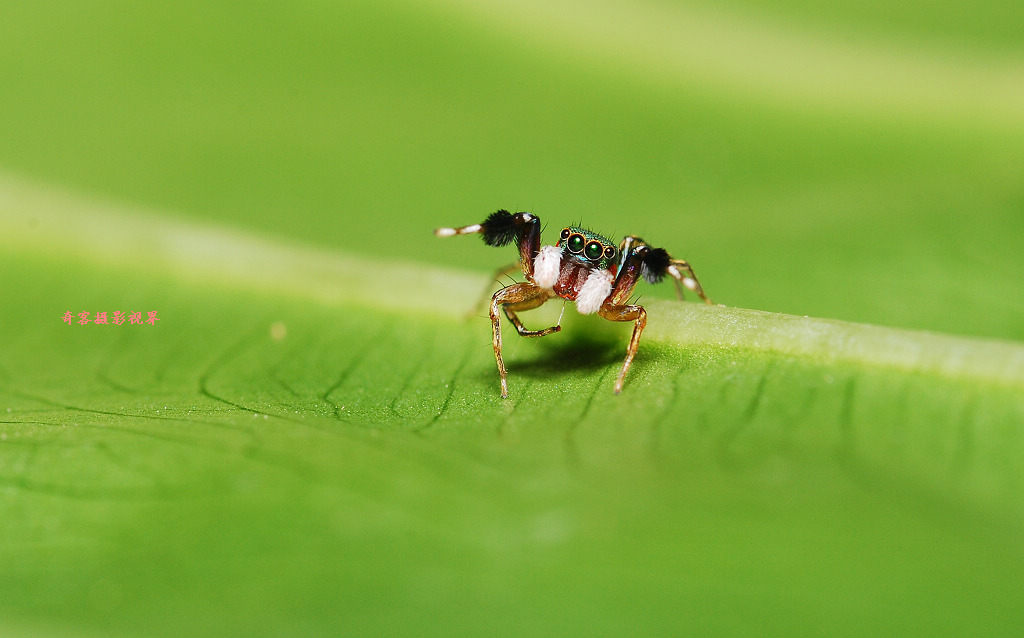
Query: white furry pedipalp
point(595, 290)
point(546, 266)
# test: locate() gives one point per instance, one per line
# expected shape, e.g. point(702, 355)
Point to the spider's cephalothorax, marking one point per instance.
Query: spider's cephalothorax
point(583, 267)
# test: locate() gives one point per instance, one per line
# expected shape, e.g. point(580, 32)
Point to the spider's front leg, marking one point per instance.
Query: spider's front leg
point(614, 312)
point(502, 228)
point(524, 296)
point(682, 275)
point(529, 304)
point(641, 260)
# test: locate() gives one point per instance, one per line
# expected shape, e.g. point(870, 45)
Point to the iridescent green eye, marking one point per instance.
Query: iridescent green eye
point(565, 233)
point(594, 250)
point(609, 252)
point(575, 243)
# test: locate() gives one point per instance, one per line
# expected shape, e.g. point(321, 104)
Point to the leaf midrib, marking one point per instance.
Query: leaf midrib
point(40, 222)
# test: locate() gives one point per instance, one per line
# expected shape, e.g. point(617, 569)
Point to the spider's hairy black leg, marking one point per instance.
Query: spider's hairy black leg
point(502, 228)
point(524, 293)
point(657, 263)
point(637, 314)
point(642, 260)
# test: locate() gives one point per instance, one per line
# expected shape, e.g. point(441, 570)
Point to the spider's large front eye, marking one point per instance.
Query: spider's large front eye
point(594, 250)
point(565, 233)
point(575, 243)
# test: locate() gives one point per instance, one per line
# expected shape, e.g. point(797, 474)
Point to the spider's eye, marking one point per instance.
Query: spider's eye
point(594, 250)
point(609, 252)
point(575, 243)
point(565, 233)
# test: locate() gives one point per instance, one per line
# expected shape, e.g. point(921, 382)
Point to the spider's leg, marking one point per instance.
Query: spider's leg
point(641, 260)
point(679, 290)
point(519, 294)
point(682, 273)
point(502, 228)
point(507, 269)
point(529, 304)
point(631, 268)
point(613, 312)
point(485, 295)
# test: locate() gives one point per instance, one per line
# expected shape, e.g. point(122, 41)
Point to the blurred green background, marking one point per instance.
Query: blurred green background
point(860, 161)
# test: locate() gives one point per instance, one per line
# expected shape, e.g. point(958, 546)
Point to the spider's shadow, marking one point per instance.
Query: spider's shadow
point(574, 349)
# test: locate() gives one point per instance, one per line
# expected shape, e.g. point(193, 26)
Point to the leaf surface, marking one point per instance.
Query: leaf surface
point(308, 442)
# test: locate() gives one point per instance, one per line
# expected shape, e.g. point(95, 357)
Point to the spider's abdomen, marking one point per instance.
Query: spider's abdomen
point(572, 279)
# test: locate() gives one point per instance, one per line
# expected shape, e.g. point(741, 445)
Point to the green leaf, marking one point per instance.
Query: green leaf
point(310, 440)
point(310, 443)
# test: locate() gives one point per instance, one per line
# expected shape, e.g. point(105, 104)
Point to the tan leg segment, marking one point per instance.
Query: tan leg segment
point(682, 274)
point(521, 297)
point(530, 304)
point(626, 313)
point(496, 279)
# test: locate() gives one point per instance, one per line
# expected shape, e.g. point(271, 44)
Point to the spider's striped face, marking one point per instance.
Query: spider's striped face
point(589, 247)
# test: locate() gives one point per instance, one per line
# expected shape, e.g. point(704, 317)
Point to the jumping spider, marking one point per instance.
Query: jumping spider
point(583, 267)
